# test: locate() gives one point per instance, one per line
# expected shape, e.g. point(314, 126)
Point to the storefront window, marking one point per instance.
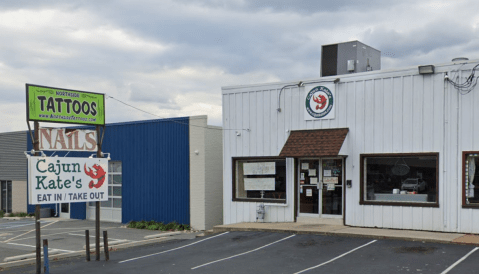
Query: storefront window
point(114, 186)
point(400, 178)
point(6, 197)
point(471, 179)
point(259, 180)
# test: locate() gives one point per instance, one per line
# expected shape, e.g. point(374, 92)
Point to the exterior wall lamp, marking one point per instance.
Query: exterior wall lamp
point(429, 69)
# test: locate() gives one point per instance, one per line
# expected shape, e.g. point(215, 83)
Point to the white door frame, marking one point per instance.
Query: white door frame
point(65, 215)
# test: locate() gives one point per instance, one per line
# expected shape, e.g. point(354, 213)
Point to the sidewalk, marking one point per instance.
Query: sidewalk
point(335, 228)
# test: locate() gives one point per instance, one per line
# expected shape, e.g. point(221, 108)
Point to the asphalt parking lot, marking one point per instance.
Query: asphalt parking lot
point(264, 252)
point(17, 237)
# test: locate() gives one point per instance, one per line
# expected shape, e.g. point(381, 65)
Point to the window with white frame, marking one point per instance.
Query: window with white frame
point(114, 186)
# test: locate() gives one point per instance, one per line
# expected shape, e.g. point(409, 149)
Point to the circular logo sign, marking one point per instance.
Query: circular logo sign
point(319, 102)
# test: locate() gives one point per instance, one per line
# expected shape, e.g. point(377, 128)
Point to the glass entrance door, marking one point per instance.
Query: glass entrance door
point(308, 186)
point(321, 187)
point(332, 187)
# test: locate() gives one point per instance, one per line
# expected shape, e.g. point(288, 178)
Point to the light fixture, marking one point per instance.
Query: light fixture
point(429, 69)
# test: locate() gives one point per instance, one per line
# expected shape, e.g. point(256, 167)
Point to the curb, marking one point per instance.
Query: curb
point(376, 237)
point(162, 235)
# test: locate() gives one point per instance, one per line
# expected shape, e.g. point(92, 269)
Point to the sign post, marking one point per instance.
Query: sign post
point(57, 105)
point(38, 248)
point(97, 204)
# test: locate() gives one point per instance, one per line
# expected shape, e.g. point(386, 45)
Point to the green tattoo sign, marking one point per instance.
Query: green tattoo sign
point(57, 105)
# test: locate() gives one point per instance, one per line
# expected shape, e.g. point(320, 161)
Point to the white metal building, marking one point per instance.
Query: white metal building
point(407, 148)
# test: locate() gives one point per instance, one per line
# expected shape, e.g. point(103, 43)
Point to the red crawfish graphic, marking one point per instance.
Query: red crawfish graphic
point(99, 174)
point(321, 101)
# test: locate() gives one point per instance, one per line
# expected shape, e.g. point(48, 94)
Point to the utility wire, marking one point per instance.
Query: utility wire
point(467, 86)
point(186, 124)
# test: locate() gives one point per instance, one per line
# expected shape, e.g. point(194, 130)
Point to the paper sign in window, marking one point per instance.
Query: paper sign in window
point(260, 168)
point(259, 184)
point(330, 180)
point(309, 192)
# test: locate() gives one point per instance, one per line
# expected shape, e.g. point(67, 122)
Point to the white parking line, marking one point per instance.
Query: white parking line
point(15, 224)
point(69, 251)
point(92, 236)
point(334, 259)
point(171, 249)
point(459, 261)
point(237, 255)
point(28, 232)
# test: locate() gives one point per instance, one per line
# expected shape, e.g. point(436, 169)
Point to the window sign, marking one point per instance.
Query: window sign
point(67, 179)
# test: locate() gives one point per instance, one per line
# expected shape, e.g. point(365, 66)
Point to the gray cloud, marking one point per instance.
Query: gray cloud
point(157, 54)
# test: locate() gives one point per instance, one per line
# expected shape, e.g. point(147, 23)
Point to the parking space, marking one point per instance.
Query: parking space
point(264, 252)
point(64, 236)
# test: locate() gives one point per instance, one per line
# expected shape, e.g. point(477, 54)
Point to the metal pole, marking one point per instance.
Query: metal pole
point(97, 204)
point(87, 244)
point(46, 267)
point(36, 147)
point(105, 245)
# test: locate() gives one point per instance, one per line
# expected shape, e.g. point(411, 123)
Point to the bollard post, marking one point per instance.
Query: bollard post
point(46, 267)
point(87, 244)
point(105, 245)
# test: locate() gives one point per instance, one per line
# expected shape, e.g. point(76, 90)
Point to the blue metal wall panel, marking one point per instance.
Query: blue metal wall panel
point(78, 211)
point(155, 168)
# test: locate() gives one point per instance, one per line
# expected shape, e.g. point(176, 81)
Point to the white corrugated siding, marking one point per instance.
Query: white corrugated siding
point(386, 112)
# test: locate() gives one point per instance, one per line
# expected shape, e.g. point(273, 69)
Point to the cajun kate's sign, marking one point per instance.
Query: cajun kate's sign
point(67, 180)
point(64, 106)
point(319, 102)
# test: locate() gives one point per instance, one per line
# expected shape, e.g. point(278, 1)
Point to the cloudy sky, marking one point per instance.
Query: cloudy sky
point(171, 57)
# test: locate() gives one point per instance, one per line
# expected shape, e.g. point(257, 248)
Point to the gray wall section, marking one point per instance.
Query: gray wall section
point(197, 129)
point(13, 162)
point(206, 174)
point(214, 176)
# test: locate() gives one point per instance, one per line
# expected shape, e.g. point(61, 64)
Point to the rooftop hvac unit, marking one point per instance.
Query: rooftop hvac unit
point(349, 57)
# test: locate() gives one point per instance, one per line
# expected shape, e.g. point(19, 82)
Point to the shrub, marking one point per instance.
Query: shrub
point(132, 224)
point(141, 225)
point(1, 213)
point(153, 227)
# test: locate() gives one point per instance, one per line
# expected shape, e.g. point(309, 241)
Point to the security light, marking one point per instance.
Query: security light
point(429, 69)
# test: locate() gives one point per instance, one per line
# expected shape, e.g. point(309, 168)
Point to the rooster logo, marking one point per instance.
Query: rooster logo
point(321, 100)
point(98, 173)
